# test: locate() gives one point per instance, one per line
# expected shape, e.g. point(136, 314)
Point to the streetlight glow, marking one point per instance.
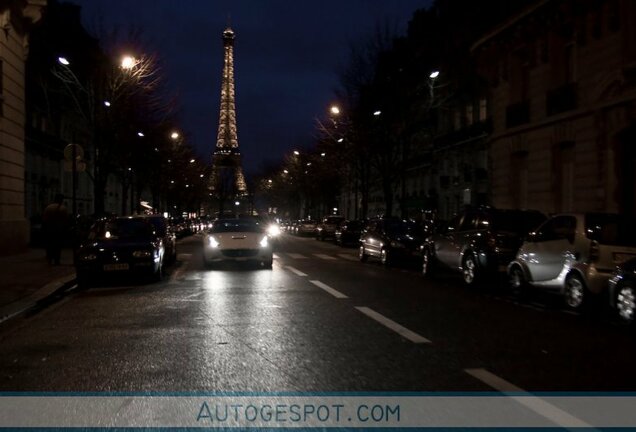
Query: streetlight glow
point(335, 110)
point(63, 60)
point(106, 103)
point(141, 134)
point(341, 140)
point(434, 74)
point(323, 154)
point(377, 113)
point(286, 172)
point(174, 135)
point(191, 160)
point(296, 152)
point(237, 203)
point(128, 62)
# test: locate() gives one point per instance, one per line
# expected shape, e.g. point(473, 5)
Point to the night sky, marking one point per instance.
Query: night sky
point(287, 56)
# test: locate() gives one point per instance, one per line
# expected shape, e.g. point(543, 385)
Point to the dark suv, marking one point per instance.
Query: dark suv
point(479, 241)
point(327, 228)
point(392, 240)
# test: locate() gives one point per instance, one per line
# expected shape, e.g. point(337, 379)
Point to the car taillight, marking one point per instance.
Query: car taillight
point(595, 251)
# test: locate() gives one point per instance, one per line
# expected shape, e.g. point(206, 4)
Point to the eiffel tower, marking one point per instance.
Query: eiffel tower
point(227, 182)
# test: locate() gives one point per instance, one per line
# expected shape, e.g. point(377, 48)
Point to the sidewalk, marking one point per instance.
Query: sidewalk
point(27, 277)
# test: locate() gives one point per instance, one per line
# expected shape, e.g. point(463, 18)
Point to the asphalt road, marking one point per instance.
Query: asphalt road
point(318, 321)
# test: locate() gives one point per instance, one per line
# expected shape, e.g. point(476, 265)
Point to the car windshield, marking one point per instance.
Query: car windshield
point(519, 222)
point(159, 223)
point(123, 229)
point(239, 225)
point(399, 227)
point(611, 229)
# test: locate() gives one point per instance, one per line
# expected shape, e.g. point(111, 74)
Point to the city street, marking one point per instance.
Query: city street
point(318, 321)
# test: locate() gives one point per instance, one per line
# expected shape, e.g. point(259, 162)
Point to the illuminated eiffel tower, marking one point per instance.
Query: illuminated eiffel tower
point(227, 182)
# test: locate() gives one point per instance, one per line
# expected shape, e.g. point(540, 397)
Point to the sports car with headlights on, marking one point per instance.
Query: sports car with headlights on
point(239, 240)
point(118, 246)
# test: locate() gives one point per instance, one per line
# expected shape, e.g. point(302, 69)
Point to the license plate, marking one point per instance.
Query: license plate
point(620, 258)
point(115, 267)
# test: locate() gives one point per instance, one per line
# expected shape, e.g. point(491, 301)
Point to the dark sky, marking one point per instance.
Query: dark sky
point(287, 54)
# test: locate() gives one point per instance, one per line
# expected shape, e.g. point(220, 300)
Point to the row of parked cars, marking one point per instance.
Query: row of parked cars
point(133, 245)
point(578, 256)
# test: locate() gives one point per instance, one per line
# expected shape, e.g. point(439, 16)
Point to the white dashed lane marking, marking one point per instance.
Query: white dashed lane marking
point(402, 331)
point(295, 271)
point(296, 255)
point(325, 257)
point(333, 292)
point(348, 257)
point(536, 404)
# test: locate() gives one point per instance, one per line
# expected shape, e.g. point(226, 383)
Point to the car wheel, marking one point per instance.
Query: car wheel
point(362, 254)
point(517, 280)
point(469, 269)
point(427, 264)
point(158, 274)
point(626, 303)
point(575, 294)
point(385, 258)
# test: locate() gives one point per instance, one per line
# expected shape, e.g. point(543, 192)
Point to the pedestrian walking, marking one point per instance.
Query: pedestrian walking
point(55, 224)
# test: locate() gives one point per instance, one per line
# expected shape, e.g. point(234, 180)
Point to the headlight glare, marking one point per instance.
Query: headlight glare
point(212, 242)
point(264, 243)
point(273, 230)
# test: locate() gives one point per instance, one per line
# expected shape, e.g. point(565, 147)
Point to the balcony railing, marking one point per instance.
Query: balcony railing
point(562, 99)
point(518, 114)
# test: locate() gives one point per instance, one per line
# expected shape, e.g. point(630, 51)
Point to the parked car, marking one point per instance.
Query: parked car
point(167, 235)
point(327, 227)
point(392, 240)
point(305, 227)
point(348, 232)
point(574, 254)
point(239, 240)
point(124, 245)
point(478, 241)
point(622, 291)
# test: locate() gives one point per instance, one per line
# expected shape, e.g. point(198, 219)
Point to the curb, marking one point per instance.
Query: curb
point(39, 297)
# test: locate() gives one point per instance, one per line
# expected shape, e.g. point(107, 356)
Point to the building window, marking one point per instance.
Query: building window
point(613, 16)
point(570, 63)
point(483, 109)
point(469, 114)
point(1, 89)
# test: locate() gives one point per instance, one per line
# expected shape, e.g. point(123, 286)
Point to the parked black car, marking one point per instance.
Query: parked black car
point(479, 241)
point(167, 235)
point(118, 246)
point(348, 232)
point(392, 240)
point(622, 291)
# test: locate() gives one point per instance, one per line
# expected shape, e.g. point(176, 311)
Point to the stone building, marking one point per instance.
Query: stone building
point(16, 17)
point(562, 78)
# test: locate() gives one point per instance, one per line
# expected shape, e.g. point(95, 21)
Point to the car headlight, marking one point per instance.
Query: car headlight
point(212, 242)
point(88, 257)
point(264, 243)
point(397, 245)
point(142, 254)
point(273, 230)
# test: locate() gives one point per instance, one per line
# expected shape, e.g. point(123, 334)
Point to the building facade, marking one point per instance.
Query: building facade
point(562, 77)
point(16, 17)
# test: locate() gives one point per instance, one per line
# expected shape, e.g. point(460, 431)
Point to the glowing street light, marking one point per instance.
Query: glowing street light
point(269, 181)
point(323, 154)
point(141, 134)
point(174, 135)
point(63, 60)
point(341, 140)
point(236, 203)
point(106, 103)
point(285, 171)
point(192, 160)
point(434, 74)
point(128, 62)
point(296, 152)
point(377, 113)
point(335, 110)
